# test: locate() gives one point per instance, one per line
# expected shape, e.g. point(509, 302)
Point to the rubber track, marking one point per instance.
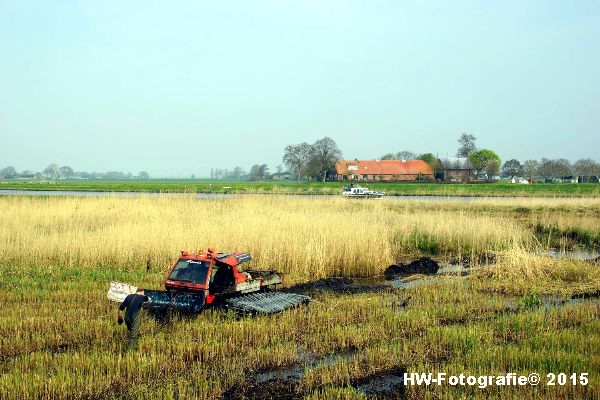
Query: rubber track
point(266, 302)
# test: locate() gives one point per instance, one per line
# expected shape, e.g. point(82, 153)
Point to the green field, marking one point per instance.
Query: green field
point(327, 188)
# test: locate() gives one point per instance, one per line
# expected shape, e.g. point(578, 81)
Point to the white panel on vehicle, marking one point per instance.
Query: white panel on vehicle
point(117, 291)
point(247, 287)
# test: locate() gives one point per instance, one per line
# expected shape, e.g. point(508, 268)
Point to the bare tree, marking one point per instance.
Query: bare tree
point(466, 145)
point(51, 171)
point(530, 168)
point(562, 168)
point(492, 167)
point(145, 175)
point(555, 168)
point(295, 157)
point(586, 167)
point(312, 169)
point(65, 171)
point(387, 156)
point(325, 154)
point(545, 168)
point(406, 155)
point(238, 172)
point(258, 172)
point(8, 172)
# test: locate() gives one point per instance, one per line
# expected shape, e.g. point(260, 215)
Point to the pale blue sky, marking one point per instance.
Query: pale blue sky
point(176, 87)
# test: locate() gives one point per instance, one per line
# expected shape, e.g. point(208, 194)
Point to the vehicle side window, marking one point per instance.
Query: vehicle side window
point(213, 272)
point(222, 275)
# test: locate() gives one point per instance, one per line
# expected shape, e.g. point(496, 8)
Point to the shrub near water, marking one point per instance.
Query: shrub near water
point(306, 238)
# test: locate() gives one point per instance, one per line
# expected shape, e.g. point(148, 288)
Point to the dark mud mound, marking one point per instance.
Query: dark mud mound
point(424, 266)
point(335, 285)
point(280, 389)
point(388, 384)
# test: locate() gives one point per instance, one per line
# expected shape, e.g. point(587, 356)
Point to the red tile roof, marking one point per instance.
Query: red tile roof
point(383, 167)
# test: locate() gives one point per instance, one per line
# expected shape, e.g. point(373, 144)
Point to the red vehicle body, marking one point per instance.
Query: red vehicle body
point(200, 279)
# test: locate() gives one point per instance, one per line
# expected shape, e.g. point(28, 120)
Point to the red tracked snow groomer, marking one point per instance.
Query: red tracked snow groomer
point(198, 280)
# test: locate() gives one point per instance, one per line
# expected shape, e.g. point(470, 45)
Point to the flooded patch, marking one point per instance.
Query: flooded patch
point(453, 270)
point(284, 383)
point(295, 372)
point(401, 284)
point(572, 254)
point(422, 272)
point(533, 300)
point(468, 260)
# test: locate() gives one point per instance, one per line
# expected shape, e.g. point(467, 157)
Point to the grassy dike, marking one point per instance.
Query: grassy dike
point(327, 188)
point(59, 338)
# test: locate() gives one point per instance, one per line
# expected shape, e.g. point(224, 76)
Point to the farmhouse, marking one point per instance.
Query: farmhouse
point(383, 170)
point(457, 169)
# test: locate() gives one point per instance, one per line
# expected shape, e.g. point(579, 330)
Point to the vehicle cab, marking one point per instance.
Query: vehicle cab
point(209, 274)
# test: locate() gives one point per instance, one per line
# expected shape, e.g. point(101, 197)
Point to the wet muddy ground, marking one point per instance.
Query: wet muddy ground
point(397, 276)
point(341, 285)
point(423, 271)
point(285, 382)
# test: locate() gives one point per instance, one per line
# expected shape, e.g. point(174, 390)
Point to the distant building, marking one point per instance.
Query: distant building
point(281, 176)
point(383, 170)
point(587, 179)
point(457, 169)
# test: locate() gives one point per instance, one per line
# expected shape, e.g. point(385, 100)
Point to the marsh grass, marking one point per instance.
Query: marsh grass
point(520, 273)
point(305, 238)
point(59, 339)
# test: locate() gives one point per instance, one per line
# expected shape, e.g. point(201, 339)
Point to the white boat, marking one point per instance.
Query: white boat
point(358, 192)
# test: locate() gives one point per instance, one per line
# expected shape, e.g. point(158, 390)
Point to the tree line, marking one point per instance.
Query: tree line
point(316, 161)
point(547, 168)
point(481, 161)
point(54, 171)
point(486, 163)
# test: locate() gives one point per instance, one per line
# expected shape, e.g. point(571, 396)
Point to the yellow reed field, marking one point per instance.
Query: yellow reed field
point(306, 238)
point(59, 338)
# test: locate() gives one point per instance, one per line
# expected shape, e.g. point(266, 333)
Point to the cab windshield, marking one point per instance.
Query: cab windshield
point(190, 271)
